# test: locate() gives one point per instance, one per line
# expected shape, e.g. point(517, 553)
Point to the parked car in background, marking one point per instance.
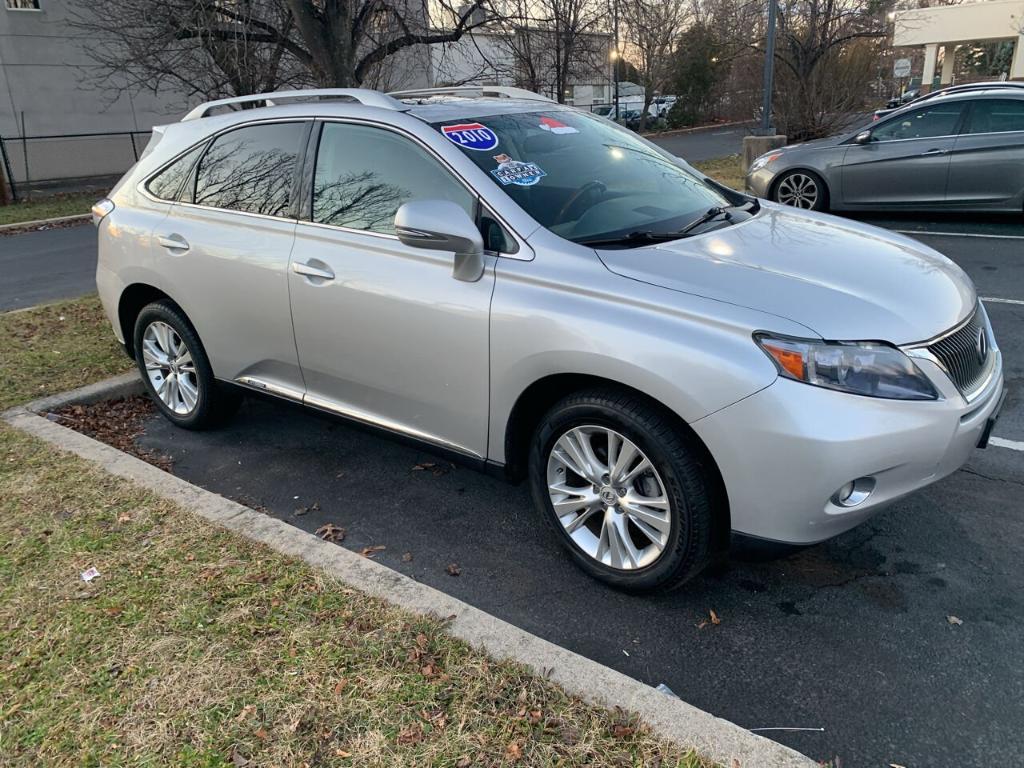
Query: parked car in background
point(904, 98)
point(880, 113)
point(540, 292)
point(957, 150)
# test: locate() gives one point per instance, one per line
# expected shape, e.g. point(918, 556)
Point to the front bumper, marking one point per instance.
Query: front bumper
point(759, 182)
point(785, 451)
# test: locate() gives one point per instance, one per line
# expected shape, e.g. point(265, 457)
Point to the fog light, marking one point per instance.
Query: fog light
point(854, 492)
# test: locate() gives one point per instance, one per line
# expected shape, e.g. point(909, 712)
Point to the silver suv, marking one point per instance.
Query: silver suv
point(538, 291)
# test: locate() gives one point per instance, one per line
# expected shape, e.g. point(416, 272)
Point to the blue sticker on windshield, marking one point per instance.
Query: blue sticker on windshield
point(511, 171)
point(471, 136)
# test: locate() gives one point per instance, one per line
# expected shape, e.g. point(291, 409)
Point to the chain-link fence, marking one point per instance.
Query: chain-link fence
point(68, 161)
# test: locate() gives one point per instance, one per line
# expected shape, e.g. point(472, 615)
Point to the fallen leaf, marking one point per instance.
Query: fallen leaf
point(464, 762)
point(411, 734)
point(342, 753)
point(247, 710)
point(340, 685)
point(513, 751)
point(714, 618)
point(371, 551)
point(453, 569)
point(621, 731)
point(238, 761)
point(954, 620)
point(535, 716)
point(331, 532)
point(407, 557)
point(261, 733)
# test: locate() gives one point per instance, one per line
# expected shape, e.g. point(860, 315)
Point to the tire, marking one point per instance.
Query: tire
point(675, 476)
point(192, 398)
point(801, 189)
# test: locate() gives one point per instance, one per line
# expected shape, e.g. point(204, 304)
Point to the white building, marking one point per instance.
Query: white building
point(943, 27)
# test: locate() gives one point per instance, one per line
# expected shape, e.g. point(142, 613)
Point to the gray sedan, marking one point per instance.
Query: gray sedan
point(961, 151)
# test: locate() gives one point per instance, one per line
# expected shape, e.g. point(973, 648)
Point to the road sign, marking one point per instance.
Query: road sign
point(901, 68)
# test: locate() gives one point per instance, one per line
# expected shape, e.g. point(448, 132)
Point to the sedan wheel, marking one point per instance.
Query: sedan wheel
point(800, 190)
point(170, 368)
point(608, 497)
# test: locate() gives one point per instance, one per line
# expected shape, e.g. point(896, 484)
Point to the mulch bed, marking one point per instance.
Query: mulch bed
point(44, 227)
point(117, 423)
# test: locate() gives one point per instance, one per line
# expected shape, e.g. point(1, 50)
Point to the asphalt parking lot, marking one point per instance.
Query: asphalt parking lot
point(851, 640)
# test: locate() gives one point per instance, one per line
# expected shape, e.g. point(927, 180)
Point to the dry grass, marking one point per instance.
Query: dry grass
point(197, 648)
point(726, 170)
point(48, 207)
point(53, 348)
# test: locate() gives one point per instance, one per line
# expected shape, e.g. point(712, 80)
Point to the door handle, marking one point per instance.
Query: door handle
point(308, 270)
point(173, 242)
point(935, 151)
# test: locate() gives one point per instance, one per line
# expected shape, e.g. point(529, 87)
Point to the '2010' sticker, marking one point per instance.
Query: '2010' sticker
point(471, 136)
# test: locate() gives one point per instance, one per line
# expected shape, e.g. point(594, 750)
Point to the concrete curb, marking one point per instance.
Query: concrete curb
point(44, 222)
point(694, 129)
point(671, 718)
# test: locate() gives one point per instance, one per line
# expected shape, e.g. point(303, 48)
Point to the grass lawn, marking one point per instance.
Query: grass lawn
point(48, 207)
point(726, 170)
point(194, 647)
point(56, 347)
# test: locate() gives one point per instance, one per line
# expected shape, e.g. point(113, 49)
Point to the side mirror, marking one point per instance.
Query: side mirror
point(863, 137)
point(441, 225)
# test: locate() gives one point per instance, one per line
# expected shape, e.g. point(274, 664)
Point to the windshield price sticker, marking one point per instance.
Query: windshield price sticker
point(521, 174)
point(471, 136)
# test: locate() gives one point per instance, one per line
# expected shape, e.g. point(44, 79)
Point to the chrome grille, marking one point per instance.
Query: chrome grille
point(966, 353)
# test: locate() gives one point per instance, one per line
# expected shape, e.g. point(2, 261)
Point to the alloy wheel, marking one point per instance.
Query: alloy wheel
point(170, 368)
point(798, 190)
point(608, 497)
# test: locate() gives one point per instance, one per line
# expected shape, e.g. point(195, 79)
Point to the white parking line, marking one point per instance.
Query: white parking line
point(996, 300)
point(957, 234)
point(1002, 442)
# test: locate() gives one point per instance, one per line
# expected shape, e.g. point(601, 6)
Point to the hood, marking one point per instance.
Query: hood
point(845, 281)
point(830, 141)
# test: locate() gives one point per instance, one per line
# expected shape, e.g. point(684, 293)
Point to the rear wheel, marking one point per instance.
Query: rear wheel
point(801, 189)
point(176, 371)
point(623, 490)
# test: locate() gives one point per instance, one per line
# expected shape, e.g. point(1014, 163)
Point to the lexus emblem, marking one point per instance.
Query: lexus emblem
point(981, 345)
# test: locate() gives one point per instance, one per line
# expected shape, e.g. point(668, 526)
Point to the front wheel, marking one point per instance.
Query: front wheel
point(623, 489)
point(801, 189)
point(176, 371)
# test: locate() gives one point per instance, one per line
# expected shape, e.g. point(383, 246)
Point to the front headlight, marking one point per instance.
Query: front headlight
point(858, 367)
point(763, 160)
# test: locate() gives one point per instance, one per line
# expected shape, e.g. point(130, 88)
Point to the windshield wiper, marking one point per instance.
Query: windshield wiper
point(710, 214)
point(639, 237)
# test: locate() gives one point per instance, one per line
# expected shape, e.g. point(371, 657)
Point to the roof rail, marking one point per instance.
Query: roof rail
point(471, 91)
point(364, 96)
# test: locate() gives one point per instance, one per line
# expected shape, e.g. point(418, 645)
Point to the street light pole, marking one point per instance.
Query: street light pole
point(769, 72)
point(615, 55)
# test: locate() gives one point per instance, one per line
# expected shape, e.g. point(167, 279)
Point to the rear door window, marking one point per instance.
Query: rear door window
point(252, 169)
point(996, 116)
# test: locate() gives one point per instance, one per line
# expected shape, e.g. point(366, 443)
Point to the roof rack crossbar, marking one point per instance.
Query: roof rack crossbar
point(470, 91)
point(364, 96)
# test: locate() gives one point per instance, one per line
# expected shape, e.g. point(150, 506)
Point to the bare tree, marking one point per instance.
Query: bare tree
point(652, 28)
point(549, 44)
point(825, 51)
point(227, 47)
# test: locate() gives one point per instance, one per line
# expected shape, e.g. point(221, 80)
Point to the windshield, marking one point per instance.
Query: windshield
point(582, 177)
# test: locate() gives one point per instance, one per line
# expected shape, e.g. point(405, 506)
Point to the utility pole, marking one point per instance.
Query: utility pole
point(767, 129)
